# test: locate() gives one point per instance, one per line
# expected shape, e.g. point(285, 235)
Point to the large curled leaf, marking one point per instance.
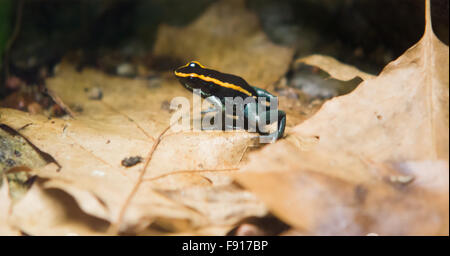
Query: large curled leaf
point(400, 115)
point(372, 161)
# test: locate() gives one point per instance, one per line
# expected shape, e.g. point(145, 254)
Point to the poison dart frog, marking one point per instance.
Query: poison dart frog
point(216, 87)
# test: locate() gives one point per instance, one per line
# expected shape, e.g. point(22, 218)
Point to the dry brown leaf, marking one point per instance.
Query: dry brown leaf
point(220, 202)
point(400, 115)
point(228, 38)
point(126, 122)
point(333, 193)
point(6, 229)
point(53, 212)
point(372, 161)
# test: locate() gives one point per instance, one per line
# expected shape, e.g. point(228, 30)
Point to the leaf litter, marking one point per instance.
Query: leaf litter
point(372, 161)
point(183, 185)
point(359, 165)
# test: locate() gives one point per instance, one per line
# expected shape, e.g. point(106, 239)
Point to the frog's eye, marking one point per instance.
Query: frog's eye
point(195, 64)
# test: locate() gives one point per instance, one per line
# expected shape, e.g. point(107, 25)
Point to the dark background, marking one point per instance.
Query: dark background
point(364, 33)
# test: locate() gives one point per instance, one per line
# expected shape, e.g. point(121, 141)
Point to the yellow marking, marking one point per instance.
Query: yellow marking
point(216, 81)
point(194, 61)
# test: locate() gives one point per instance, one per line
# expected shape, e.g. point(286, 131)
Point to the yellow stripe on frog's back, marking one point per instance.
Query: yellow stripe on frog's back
point(215, 81)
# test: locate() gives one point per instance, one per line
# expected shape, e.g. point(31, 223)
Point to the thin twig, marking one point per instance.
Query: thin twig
point(61, 103)
point(115, 227)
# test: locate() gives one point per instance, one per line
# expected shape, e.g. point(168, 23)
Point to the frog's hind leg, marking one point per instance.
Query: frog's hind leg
point(263, 93)
point(256, 123)
point(281, 124)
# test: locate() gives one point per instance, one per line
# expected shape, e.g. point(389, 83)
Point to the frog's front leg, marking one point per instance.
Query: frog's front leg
point(227, 120)
point(254, 118)
point(217, 105)
point(218, 117)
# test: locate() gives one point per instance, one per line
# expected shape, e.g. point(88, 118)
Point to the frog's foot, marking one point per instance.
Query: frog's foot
point(228, 123)
point(281, 124)
point(210, 128)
